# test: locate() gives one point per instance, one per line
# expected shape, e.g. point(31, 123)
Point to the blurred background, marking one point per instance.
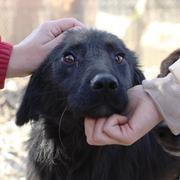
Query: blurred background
point(149, 27)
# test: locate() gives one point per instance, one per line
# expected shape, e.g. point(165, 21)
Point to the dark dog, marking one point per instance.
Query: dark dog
point(88, 74)
point(168, 61)
point(164, 136)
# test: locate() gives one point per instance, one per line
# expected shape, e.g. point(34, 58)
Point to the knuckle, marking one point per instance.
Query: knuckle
point(89, 141)
point(106, 129)
point(73, 19)
point(114, 116)
point(96, 139)
point(129, 142)
point(45, 25)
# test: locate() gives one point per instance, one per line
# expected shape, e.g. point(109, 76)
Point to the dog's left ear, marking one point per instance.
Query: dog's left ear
point(29, 107)
point(138, 77)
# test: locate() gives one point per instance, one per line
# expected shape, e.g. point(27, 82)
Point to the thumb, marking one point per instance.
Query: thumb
point(52, 44)
point(89, 126)
point(115, 127)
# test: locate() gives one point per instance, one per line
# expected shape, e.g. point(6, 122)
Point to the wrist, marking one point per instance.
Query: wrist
point(155, 109)
point(16, 67)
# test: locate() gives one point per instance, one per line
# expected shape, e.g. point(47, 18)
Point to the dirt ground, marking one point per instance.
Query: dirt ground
point(12, 138)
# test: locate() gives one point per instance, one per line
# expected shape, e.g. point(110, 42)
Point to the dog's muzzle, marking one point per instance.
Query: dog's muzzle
point(104, 82)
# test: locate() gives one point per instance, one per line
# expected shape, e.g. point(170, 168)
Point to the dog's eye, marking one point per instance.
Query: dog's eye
point(120, 58)
point(69, 59)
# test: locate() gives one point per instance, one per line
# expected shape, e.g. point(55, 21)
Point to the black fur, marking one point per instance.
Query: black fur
point(60, 95)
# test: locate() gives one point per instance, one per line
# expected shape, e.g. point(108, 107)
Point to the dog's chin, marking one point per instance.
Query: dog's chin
point(101, 111)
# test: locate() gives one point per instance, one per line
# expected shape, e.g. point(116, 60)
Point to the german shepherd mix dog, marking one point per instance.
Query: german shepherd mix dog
point(87, 75)
point(164, 136)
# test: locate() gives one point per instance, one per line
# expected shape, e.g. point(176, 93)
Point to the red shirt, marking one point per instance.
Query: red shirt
point(5, 52)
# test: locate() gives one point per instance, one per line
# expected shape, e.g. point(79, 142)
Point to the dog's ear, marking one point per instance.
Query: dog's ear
point(29, 108)
point(137, 74)
point(35, 97)
point(138, 77)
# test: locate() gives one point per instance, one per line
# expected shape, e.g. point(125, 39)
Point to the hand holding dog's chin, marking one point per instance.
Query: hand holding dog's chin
point(142, 116)
point(31, 52)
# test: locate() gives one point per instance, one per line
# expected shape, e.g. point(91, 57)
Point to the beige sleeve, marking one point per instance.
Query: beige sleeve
point(166, 94)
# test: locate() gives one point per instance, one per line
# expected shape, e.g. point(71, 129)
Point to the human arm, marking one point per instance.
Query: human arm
point(28, 54)
point(156, 100)
point(22, 59)
point(165, 92)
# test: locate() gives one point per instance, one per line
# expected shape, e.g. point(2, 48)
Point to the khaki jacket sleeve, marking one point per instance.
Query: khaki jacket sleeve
point(166, 94)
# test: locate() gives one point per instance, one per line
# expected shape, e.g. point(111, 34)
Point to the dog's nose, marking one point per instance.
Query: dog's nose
point(103, 82)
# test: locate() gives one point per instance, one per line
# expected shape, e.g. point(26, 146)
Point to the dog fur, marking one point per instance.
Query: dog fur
point(62, 92)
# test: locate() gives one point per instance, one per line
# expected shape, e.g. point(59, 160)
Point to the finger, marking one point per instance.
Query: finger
point(115, 120)
point(65, 24)
point(69, 22)
point(53, 43)
point(89, 125)
point(117, 127)
point(99, 138)
point(138, 125)
point(94, 132)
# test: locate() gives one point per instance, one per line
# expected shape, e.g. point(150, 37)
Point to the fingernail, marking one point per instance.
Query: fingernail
point(77, 28)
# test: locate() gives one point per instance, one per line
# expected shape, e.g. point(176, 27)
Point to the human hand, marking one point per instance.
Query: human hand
point(28, 54)
point(142, 116)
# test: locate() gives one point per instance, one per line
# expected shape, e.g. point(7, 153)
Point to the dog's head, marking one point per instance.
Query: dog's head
point(89, 74)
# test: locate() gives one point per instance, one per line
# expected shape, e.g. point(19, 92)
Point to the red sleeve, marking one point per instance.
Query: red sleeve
point(5, 52)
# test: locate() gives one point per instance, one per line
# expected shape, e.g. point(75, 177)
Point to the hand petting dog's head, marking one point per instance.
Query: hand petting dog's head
point(89, 73)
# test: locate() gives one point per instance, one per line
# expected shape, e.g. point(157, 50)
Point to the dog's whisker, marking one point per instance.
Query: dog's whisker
point(62, 150)
point(88, 75)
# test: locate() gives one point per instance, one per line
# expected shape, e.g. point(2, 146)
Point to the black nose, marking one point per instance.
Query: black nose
point(103, 82)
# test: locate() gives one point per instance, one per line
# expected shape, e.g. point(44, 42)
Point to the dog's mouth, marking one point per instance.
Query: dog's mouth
point(100, 111)
point(98, 106)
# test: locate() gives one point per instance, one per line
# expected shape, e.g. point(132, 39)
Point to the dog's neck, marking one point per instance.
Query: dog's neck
point(67, 136)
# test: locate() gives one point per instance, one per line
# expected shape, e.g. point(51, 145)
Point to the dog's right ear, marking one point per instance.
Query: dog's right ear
point(138, 77)
point(29, 108)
